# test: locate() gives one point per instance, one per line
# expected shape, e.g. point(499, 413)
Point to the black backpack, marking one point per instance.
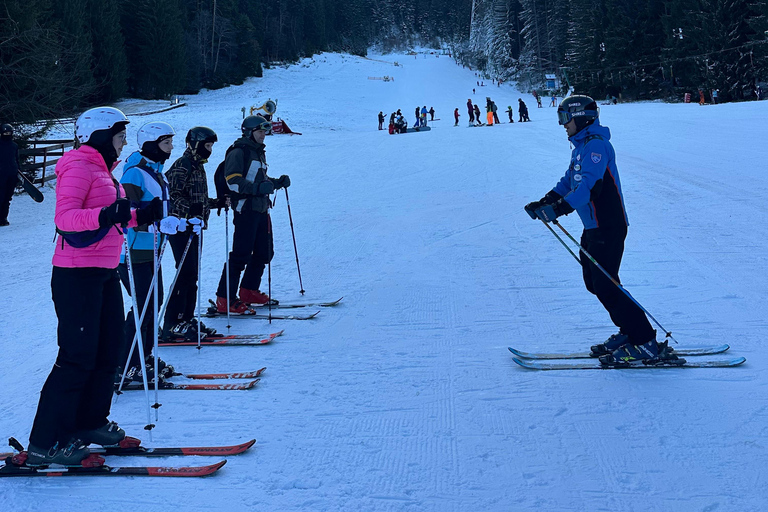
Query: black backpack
point(220, 178)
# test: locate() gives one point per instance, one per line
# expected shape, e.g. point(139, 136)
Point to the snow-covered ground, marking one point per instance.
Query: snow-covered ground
point(405, 397)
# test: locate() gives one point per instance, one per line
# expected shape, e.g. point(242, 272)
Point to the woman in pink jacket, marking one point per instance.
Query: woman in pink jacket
point(91, 210)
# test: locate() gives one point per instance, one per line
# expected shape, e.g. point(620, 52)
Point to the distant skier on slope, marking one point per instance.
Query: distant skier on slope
point(471, 113)
point(522, 109)
point(592, 188)
point(456, 116)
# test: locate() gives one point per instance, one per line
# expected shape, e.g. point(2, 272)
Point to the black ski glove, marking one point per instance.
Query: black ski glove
point(551, 198)
point(283, 182)
point(550, 212)
point(265, 188)
point(531, 208)
point(150, 213)
point(118, 212)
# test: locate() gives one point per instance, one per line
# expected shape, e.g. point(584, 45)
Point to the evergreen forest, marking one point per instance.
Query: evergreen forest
point(58, 58)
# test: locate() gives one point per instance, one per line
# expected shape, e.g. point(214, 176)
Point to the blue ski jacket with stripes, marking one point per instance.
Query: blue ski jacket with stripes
point(591, 184)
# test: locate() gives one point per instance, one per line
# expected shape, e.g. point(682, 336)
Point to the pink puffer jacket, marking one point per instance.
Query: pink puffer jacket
point(84, 186)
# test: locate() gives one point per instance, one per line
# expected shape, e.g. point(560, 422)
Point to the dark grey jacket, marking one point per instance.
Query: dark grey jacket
point(244, 176)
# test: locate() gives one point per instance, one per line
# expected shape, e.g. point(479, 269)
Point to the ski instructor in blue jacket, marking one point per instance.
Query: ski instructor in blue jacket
point(592, 188)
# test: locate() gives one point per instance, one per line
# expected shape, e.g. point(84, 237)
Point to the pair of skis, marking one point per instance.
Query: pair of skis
point(224, 339)
point(93, 465)
point(232, 386)
point(212, 312)
point(544, 360)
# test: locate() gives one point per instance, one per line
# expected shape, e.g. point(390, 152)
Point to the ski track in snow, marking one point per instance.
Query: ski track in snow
point(404, 397)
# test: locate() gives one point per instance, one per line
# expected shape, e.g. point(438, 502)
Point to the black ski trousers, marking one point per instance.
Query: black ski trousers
point(78, 392)
point(7, 187)
point(606, 245)
point(183, 299)
point(142, 280)
point(252, 249)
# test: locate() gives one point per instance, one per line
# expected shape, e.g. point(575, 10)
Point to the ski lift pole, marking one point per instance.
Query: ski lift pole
point(293, 234)
point(668, 334)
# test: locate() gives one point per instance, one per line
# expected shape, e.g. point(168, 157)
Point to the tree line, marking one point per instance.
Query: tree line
point(638, 48)
point(58, 58)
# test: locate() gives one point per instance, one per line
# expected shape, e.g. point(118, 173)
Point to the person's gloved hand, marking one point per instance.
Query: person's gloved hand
point(196, 224)
point(150, 213)
point(283, 182)
point(265, 188)
point(182, 225)
point(169, 225)
point(550, 212)
point(531, 208)
point(118, 212)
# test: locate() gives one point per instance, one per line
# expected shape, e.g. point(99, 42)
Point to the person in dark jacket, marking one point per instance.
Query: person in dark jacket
point(431, 113)
point(471, 112)
point(523, 110)
point(189, 203)
point(456, 116)
point(9, 170)
point(494, 109)
point(245, 168)
point(510, 113)
point(591, 186)
point(381, 120)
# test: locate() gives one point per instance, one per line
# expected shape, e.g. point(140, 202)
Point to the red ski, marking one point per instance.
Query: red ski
point(10, 469)
point(135, 386)
point(214, 376)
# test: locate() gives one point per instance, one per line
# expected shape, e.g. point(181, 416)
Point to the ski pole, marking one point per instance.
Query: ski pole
point(155, 341)
point(561, 241)
point(269, 270)
point(176, 277)
point(149, 426)
point(293, 234)
point(152, 286)
point(668, 334)
point(226, 250)
point(199, 288)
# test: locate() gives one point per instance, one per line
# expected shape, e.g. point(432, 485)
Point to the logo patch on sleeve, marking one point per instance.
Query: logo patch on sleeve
point(596, 157)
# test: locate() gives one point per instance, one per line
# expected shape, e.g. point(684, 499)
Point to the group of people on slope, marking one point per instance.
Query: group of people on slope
point(473, 110)
point(398, 124)
point(96, 216)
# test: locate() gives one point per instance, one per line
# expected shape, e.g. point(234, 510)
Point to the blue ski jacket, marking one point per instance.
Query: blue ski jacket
point(591, 184)
point(143, 180)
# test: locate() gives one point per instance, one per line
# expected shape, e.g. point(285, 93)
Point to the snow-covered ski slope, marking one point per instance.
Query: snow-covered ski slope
point(405, 397)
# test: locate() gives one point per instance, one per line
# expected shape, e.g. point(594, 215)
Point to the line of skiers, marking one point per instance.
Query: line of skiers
point(473, 110)
point(96, 217)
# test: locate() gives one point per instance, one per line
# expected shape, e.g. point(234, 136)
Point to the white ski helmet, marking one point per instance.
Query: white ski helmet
point(152, 132)
point(96, 119)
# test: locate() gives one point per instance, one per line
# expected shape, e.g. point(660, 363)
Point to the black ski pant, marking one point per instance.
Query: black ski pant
point(252, 249)
point(496, 118)
point(606, 245)
point(78, 392)
point(7, 187)
point(142, 280)
point(183, 298)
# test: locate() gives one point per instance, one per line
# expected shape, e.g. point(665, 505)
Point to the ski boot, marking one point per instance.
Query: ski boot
point(236, 306)
point(165, 370)
point(204, 329)
point(256, 297)
point(183, 331)
point(610, 345)
point(106, 435)
point(74, 453)
point(650, 353)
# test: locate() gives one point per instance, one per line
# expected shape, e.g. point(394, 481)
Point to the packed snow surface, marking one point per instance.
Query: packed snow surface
point(405, 397)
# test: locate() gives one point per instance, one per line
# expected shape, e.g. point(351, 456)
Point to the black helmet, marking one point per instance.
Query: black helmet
point(251, 123)
point(201, 134)
point(198, 137)
point(5, 128)
point(581, 108)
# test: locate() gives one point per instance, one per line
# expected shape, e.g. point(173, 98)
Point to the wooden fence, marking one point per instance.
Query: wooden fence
point(44, 153)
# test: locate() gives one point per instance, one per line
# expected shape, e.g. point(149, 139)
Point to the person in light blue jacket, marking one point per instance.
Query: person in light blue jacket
point(591, 187)
point(143, 180)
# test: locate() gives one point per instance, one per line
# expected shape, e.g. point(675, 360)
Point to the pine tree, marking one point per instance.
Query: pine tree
point(109, 59)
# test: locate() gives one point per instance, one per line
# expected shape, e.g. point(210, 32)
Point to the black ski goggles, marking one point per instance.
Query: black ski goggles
point(266, 126)
point(564, 117)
